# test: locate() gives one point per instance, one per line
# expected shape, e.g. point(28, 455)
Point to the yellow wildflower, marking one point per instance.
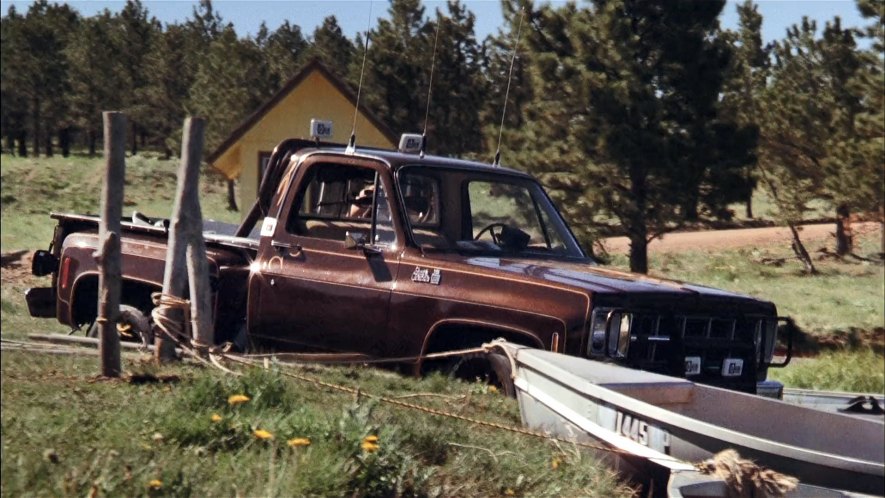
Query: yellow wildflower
point(216, 417)
point(298, 441)
point(554, 464)
point(237, 399)
point(155, 484)
point(509, 492)
point(493, 389)
point(370, 444)
point(262, 434)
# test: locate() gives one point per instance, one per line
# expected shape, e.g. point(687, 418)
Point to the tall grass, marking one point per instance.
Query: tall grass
point(860, 371)
point(65, 434)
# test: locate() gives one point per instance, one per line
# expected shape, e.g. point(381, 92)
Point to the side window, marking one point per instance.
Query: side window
point(334, 199)
point(504, 204)
point(421, 198)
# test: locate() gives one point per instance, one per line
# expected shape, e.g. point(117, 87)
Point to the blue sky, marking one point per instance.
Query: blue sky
point(353, 15)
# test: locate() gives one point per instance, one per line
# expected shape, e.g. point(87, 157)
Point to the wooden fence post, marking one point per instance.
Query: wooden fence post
point(108, 254)
point(197, 262)
point(186, 242)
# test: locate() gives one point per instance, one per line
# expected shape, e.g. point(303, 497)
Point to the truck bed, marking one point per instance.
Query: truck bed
point(216, 233)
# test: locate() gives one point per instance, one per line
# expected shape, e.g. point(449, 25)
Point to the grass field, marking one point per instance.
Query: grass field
point(67, 433)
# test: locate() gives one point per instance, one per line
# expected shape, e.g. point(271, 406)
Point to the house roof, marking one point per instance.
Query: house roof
point(313, 65)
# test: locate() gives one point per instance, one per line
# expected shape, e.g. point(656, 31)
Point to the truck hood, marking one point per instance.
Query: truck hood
point(600, 280)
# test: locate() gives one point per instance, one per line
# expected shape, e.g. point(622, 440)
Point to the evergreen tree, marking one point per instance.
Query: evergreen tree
point(458, 89)
point(745, 82)
point(398, 66)
point(334, 49)
point(95, 76)
point(166, 90)
point(134, 36)
point(624, 121)
point(42, 71)
point(14, 111)
point(817, 141)
point(284, 50)
point(227, 86)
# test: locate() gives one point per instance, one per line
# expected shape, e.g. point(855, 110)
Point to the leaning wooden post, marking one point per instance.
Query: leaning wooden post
point(108, 254)
point(183, 231)
point(197, 262)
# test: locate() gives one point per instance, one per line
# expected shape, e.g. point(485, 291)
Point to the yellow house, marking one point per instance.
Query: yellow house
point(313, 93)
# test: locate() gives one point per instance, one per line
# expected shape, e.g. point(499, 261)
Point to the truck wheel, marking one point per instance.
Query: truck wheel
point(493, 367)
point(136, 326)
point(503, 372)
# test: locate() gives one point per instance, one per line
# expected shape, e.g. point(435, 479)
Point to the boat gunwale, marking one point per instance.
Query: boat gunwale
point(670, 420)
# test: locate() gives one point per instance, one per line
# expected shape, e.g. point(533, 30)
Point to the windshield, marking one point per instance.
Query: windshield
point(475, 211)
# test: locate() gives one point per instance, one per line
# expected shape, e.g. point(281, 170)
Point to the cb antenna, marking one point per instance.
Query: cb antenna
point(507, 92)
point(439, 20)
point(351, 146)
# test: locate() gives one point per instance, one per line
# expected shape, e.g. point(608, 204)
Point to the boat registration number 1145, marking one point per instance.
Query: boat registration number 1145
point(640, 431)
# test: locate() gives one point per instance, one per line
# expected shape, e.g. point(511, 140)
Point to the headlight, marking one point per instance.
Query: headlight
point(619, 326)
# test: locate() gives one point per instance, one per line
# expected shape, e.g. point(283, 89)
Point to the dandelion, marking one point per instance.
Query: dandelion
point(216, 418)
point(370, 444)
point(237, 399)
point(262, 434)
point(298, 441)
point(155, 484)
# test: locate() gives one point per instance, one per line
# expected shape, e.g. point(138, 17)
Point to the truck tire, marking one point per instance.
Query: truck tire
point(494, 368)
point(139, 326)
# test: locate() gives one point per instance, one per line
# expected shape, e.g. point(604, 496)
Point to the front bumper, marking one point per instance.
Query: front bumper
point(770, 389)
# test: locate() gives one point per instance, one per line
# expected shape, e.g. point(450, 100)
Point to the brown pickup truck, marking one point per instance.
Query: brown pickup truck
point(389, 254)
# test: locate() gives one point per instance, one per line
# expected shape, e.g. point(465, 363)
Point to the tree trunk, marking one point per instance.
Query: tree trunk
point(36, 117)
point(9, 143)
point(49, 151)
point(844, 235)
point(92, 140)
point(750, 207)
point(690, 208)
point(134, 139)
point(638, 253)
point(64, 141)
point(23, 144)
point(638, 228)
point(799, 249)
point(231, 197)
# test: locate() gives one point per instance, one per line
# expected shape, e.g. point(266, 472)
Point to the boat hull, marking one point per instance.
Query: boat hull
point(656, 423)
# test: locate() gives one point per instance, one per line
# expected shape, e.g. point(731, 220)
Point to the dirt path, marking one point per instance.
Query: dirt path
point(713, 240)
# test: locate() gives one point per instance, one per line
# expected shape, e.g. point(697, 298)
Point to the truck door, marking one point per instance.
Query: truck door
point(310, 290)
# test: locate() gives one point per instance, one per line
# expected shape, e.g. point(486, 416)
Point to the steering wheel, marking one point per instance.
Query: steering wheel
point(491, 229)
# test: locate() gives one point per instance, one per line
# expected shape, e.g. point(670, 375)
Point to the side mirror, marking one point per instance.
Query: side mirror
point(354, 240)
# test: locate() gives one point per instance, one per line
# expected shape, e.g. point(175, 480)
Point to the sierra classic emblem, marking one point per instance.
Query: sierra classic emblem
point(426, 275)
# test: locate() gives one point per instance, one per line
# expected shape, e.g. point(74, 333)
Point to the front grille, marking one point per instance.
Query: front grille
point(663, 341)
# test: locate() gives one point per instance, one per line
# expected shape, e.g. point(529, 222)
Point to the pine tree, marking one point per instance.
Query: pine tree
point(95, 86)
point(284, 51)
point(330, 46)
point(624, 120)
point(134, 34)
point(398, 67)
point(14, 111)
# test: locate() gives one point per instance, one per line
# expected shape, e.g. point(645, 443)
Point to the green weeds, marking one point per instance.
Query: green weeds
point(66, 433)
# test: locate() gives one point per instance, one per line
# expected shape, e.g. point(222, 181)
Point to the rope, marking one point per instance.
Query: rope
point(433, 411)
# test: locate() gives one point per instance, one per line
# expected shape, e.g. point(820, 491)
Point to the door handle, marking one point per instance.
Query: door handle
point(286, 248)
